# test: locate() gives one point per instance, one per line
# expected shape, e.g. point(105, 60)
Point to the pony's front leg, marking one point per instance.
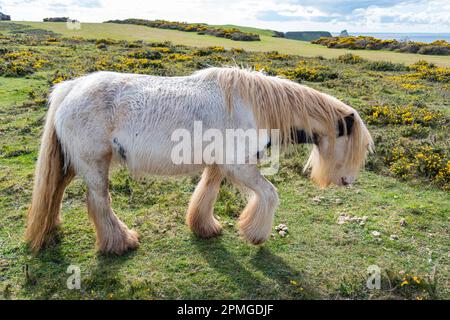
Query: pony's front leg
point(113, 236)
point(255, 222)
point(200, 213)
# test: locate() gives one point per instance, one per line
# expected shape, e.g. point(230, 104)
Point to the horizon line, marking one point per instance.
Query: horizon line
point(261, 28)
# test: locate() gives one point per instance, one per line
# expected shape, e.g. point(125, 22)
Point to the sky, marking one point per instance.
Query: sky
point(282, 15)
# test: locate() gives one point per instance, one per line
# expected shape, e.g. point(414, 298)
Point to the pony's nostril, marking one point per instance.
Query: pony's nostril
point(344, 181)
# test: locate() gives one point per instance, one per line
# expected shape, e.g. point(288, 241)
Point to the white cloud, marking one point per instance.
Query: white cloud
point(425, 16)
point(283, 15)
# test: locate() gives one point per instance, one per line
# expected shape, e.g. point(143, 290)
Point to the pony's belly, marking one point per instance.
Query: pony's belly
point(163, 167)
point(155, 158)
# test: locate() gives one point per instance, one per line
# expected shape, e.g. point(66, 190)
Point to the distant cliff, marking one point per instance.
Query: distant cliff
point(306, 35)
point(4, 17)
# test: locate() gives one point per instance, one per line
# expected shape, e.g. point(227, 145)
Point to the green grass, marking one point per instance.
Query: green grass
point(325, 259)
point(14, 91)
point(267, 43)
point(318, 259)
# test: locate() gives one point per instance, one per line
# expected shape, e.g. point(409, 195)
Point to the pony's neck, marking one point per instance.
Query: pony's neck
point(280, 103)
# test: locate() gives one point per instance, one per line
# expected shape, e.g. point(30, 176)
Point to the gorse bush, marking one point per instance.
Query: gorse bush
point(179, 57)
point(440, 47)
point(60, 76)
point(420, 76)
point(430, 72)
point(393, 99)
point(383, 115)
point(371, 65)
point(417, 158)
point(20, 63)
point(411, 286)
point(145, 54)
point(308, 72)
point(229, 33)
point(275, 55)
point(216, 49)
point(423, 70)
point(349, 58)
point(414, 161)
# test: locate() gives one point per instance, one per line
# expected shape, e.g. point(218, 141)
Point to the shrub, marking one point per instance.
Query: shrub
point(52, 40)
point(162, 49)
point(305, 71)
point(440, 47)
point(217, 49)
point(237, 50)
point(350, 59)
point(423, 161)
point(105, 41)
point(179, 57)
point(56, 19)
point(385, 66)
point(402, 115)
point(413, 87)
point(145, 54)
point(423, 70)
point(275, 55)
point(20, 63)
point(229, 33)
point(435, 50)
point(429, 71)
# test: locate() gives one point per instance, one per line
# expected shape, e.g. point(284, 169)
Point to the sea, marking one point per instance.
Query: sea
point(418, 37)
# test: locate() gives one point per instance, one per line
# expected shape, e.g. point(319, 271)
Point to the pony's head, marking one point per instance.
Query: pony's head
point(339, 152)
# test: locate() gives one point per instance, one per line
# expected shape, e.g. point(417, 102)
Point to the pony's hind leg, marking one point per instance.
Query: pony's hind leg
point(200, 216)
point(113, 236)
point(255, 222)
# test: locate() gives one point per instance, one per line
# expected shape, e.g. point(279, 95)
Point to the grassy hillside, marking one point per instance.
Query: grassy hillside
point(332, 238)
point(267, 43)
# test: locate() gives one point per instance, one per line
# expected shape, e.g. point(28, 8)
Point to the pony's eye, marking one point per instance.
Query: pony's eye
point(317, 140)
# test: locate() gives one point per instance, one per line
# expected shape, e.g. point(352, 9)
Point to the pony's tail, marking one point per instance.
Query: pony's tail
point(51, 178)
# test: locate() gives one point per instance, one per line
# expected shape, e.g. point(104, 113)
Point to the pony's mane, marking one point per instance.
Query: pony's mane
point(277, 103)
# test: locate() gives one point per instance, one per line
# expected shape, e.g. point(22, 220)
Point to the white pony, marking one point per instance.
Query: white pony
point(108, 117)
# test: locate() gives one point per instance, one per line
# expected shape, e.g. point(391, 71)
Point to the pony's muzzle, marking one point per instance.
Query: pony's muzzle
point(345, 181)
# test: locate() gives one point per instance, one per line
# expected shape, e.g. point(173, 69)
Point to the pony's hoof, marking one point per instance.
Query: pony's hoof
point(252, 236)
point(206, 230)
point(254, 240)
point(120, 243)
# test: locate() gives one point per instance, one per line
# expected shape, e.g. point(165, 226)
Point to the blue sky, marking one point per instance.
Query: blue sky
point(283, 15)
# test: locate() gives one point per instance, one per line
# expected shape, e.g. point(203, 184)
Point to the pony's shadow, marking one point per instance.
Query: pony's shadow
point(251, 286)
point(44, 273)
point(274, 267)
point(103, 276)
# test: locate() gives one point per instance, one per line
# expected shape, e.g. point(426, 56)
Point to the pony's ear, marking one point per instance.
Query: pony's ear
point(348, 121)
